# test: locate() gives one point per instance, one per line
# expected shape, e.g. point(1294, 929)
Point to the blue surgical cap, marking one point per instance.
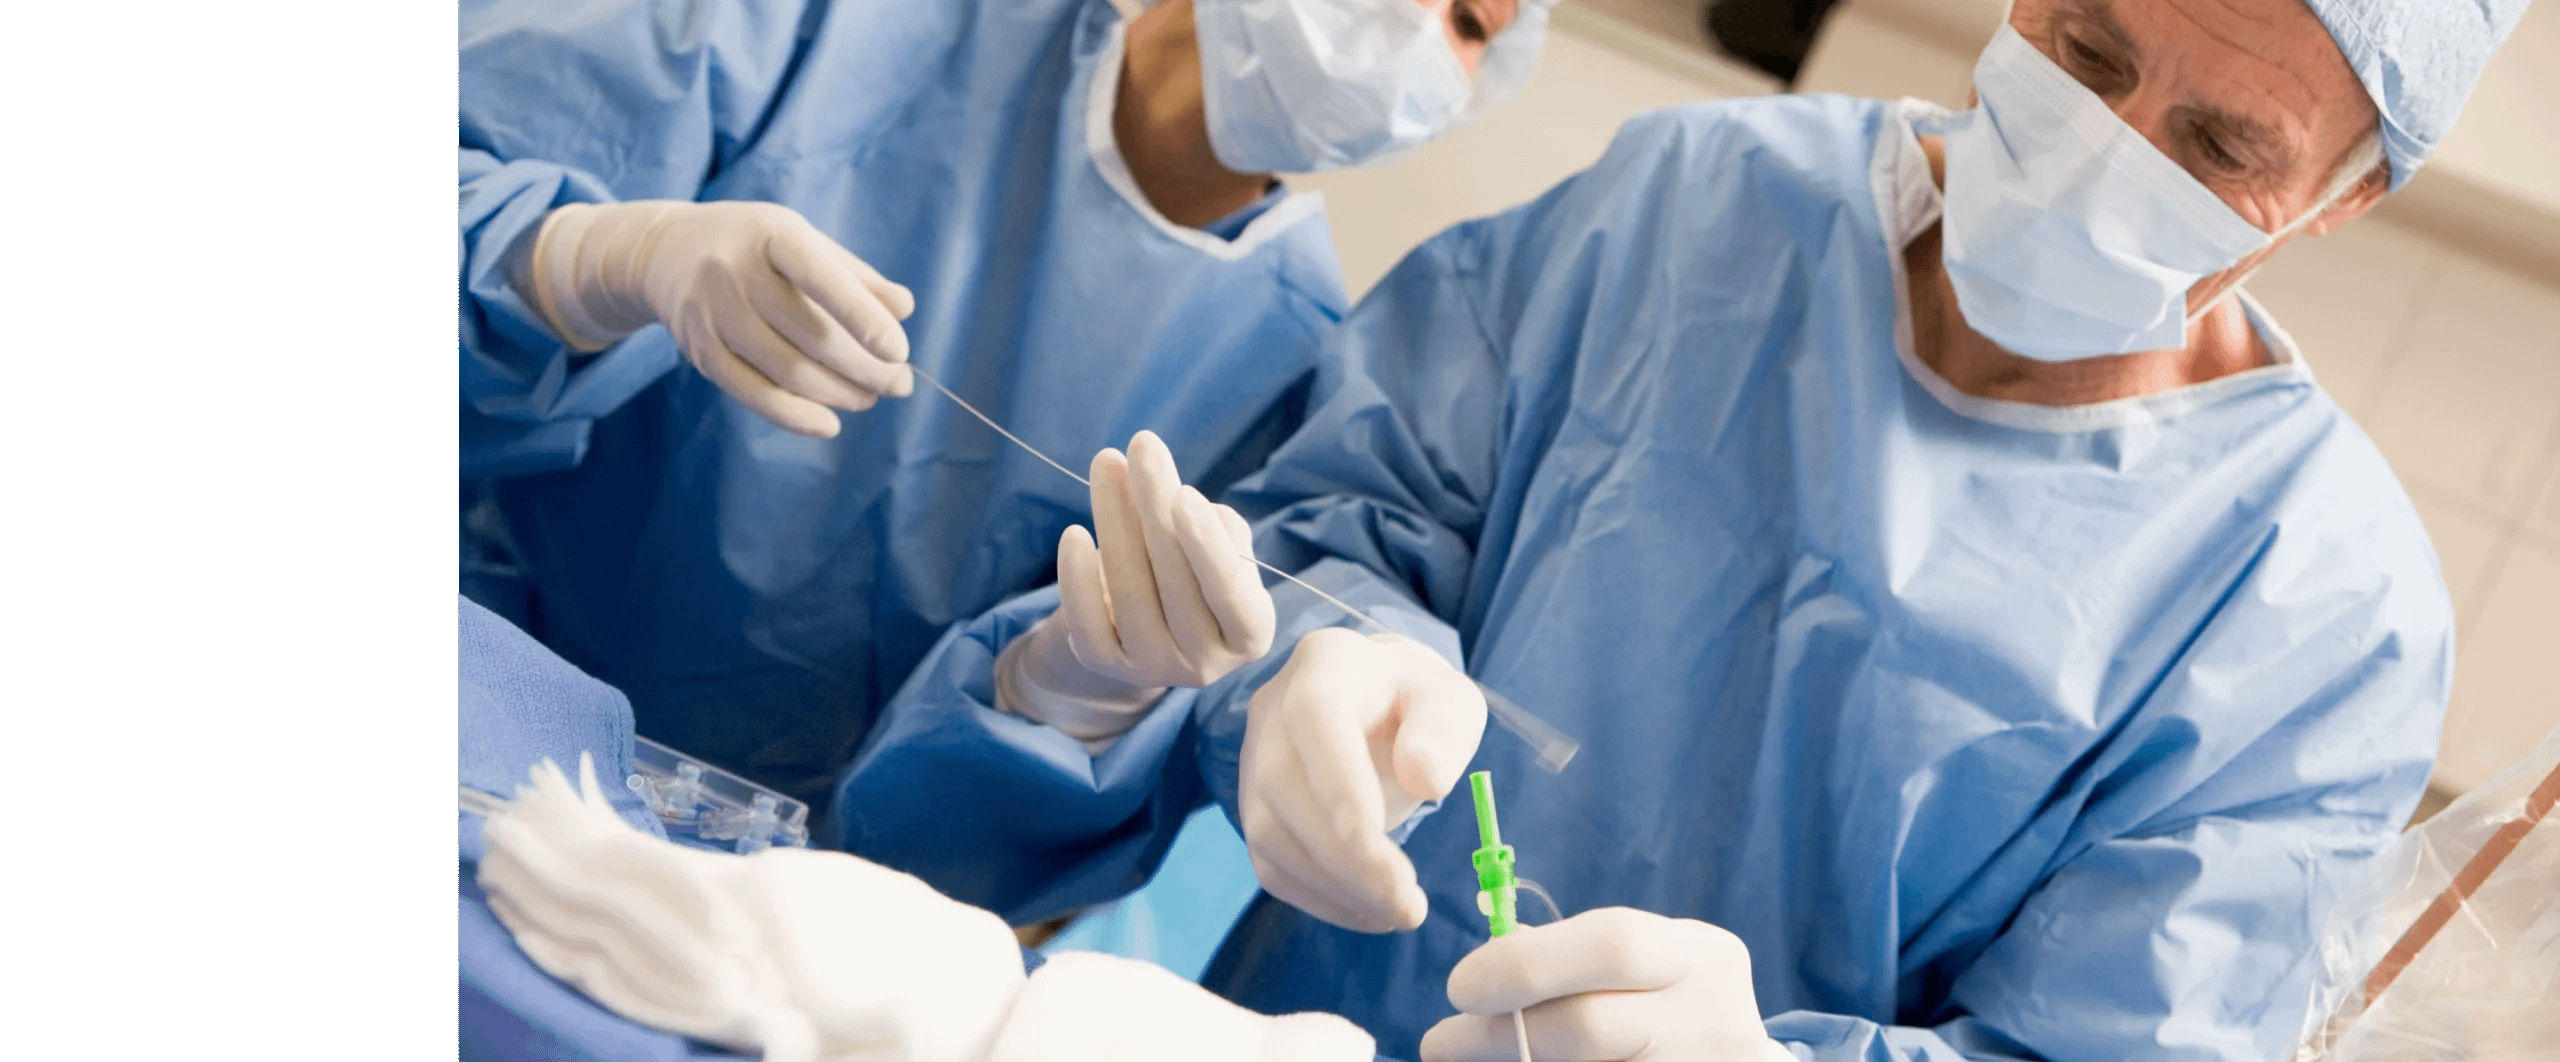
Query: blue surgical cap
point(2418, 59)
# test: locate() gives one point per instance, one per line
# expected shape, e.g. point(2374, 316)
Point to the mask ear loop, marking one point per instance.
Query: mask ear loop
point(2287, 229)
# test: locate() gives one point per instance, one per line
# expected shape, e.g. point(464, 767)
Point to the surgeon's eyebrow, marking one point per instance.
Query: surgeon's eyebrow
point(2084, 38)
point(2100, 16)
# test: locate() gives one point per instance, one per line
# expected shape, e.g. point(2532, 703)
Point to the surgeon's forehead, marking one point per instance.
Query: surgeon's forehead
point(2259, 73)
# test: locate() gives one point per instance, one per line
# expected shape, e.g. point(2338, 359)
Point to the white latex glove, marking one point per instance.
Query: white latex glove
point(1615, 983)
point(1089, 1007)
point(1342, 745)
point(803, 956)
point(767, 307)
point(1169, 598)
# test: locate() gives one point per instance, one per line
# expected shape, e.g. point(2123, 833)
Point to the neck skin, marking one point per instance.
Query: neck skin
point(2218, 344)
point(1162, 124)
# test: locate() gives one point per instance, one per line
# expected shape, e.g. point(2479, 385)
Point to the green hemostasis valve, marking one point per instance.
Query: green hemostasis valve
point(1498, 892)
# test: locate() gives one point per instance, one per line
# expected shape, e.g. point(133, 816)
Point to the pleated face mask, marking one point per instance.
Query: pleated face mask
point(2067, 234)
point(1299, 86)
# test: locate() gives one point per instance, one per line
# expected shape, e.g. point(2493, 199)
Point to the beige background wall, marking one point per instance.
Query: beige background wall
point(2446, 350)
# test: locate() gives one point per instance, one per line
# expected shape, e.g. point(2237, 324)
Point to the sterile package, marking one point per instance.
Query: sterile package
point(2450, 950)
point(706, 807)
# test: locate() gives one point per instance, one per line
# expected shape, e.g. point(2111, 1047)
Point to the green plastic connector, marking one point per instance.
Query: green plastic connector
point(1498, 892)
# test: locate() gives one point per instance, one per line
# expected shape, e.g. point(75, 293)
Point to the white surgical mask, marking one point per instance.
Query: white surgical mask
point(2067, 235)
point(1299, 86)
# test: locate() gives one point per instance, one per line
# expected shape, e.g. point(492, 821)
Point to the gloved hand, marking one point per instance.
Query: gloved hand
point(767, 307)
point(1615, 983)
point(1169, 598)
point(1342, 745)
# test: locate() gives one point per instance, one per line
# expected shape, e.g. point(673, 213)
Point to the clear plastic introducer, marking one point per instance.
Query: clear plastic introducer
point(701, 805)
point(707, 807)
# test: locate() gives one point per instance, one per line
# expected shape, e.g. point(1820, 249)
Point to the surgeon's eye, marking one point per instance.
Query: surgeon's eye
point(1470, 25)
point(2216, 157)
point(2094, 68)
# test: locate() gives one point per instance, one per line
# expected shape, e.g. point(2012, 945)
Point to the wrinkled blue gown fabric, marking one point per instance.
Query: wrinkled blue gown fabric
point(1994, 730)
point(521, 704)
point(758, 594)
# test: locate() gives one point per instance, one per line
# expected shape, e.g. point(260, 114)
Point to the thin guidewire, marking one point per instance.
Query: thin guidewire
point(1553, 746)
point(991, 422)
point(1034, 451)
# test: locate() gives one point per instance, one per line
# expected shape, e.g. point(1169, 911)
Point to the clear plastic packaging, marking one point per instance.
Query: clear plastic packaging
point(707, 807)
point(2450, 949)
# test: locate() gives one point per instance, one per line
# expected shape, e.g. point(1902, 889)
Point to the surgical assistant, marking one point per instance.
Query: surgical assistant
point(756, 590)
point(1977, 727)
point(705, 560)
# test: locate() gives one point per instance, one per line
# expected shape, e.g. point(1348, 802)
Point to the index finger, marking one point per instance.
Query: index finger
point(1324, 723)
point(1345, 804)
point(1231, 584)
point(1613, 949)
point(814, 333)
point(1137, 614)
point(844, 286)
point(1440, 723)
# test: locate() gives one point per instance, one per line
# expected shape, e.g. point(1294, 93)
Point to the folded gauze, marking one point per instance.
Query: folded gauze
point(822, 957)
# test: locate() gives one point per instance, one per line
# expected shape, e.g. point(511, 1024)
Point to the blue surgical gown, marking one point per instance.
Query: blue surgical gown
point(1994, 730)
point(758, 594)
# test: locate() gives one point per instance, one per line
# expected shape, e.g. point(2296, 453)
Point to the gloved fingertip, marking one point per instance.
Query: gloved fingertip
point(905, 384)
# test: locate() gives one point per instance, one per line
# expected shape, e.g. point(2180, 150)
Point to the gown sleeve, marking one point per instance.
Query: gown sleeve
point(585, 103)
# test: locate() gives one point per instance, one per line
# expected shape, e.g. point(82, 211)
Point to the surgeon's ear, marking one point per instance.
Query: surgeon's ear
point(2353, 204)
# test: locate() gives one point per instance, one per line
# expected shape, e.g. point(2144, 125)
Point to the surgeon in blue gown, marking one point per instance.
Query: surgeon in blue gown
point(1078, 243)
point(1941, 696)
